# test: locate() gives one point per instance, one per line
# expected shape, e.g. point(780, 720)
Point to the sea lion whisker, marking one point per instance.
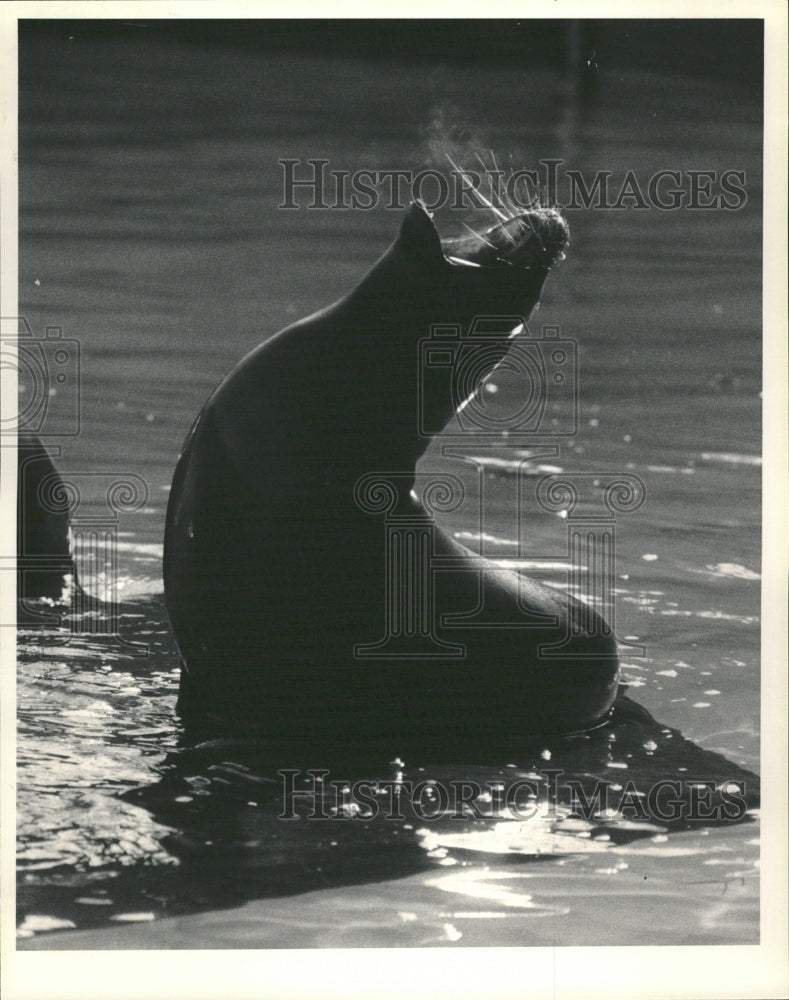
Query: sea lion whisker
point(507, 208)
point(479, 236)
point(497, 212)
point(478, 194)
point(481, 162)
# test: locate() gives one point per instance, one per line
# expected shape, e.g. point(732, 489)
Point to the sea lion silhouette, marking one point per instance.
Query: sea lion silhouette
point(44, 560)
point(274, 573)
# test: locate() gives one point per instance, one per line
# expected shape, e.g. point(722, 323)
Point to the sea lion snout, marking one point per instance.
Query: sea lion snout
point(536, 237)
point(533, 239)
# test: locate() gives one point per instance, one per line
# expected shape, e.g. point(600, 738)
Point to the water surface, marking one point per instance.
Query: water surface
point(150, 233)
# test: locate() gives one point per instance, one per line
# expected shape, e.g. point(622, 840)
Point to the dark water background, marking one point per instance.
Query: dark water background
point(150, 232)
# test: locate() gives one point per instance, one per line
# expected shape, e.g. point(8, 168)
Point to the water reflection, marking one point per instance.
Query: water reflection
point(125, 816)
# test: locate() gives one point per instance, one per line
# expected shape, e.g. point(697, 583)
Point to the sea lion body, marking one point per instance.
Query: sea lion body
point(275, 573)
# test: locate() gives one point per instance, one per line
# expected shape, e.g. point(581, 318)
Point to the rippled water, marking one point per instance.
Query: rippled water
point(150, 233)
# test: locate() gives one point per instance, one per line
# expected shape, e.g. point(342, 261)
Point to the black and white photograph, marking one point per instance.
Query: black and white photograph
point(394, 500)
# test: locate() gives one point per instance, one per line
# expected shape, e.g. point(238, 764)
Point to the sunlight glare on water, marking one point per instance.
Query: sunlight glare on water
point(150, 231)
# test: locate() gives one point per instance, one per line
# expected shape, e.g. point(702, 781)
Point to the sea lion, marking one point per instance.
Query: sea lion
point(275, 572)
point(44, 560)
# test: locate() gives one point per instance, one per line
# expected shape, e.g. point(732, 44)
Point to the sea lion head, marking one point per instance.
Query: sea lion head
point(499, 269)
point(493, 278)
